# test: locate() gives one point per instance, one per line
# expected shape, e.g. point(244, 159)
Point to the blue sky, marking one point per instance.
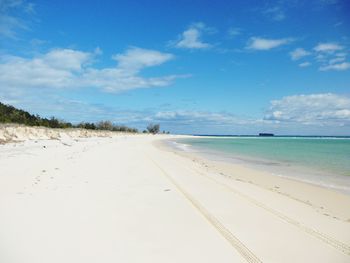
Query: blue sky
point(210, 67)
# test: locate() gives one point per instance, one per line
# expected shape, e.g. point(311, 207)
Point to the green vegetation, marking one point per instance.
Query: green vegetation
point(10, 114)
point(105, 125)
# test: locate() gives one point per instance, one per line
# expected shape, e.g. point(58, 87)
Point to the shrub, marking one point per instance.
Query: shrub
point(105, 125)
point(153, 128)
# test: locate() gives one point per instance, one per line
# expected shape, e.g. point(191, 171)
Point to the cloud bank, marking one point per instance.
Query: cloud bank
point(325, 113)
point(68, 68)
point(325, 109)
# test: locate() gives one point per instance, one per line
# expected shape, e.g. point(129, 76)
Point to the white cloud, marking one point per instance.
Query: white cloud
point(329, 56)
point(316, 109)
point(299, 53)
point(66, 59)
point(327, 47)
point(43, 71)
point(136, 58)
point(338, 67)
point(258, 43)
point(304, 64)
point(191, 38)
point(67, 68)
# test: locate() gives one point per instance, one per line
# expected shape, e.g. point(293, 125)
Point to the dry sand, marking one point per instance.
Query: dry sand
point(125, 199)
point(17, 133)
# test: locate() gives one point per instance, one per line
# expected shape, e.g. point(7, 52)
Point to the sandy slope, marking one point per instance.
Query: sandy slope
point(17, 133)
point(123, 199)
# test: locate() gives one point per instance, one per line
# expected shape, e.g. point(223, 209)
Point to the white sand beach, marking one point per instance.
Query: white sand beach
point(126, 198)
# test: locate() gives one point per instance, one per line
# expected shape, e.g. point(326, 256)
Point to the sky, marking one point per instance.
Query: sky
point(197, 67)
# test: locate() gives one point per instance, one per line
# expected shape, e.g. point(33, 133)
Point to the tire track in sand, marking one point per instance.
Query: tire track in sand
point(232, 239)
point(344, 248)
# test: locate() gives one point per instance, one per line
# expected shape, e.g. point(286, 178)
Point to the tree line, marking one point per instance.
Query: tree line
point(10, 114)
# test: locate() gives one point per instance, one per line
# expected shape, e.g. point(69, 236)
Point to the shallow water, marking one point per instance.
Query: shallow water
point(324, 161)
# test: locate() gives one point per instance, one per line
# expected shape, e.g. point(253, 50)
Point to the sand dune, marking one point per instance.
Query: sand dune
point(16, 133)
point(125, 199)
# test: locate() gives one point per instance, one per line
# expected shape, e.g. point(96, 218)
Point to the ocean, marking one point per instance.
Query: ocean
point(320, 160)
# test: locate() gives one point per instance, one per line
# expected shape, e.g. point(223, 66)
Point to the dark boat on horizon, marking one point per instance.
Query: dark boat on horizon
point(266, 134)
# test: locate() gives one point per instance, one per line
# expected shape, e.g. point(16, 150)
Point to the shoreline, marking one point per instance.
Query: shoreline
point(297, 172)
point(293, 188)
point(128, 198)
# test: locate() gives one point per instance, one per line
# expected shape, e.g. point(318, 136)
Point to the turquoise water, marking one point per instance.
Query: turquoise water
point(330, 155)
